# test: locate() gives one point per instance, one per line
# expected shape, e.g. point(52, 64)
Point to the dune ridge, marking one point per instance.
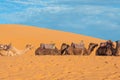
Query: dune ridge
point(31, 67)
point(22, 34)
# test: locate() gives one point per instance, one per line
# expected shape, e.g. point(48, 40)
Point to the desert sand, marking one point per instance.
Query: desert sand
point(67, 67)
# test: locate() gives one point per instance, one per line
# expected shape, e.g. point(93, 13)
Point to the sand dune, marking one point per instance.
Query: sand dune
point(31, 67)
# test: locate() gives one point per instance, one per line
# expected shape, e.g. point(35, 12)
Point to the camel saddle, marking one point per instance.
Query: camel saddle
point(47, 46)
point(77, 45)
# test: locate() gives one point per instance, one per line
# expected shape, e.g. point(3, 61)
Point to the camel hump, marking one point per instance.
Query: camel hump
point(47, 46)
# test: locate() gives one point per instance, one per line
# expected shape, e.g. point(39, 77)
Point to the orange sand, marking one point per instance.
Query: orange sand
point(31, 67)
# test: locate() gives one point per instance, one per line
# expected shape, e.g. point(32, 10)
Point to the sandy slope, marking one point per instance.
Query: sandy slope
point(31, 67)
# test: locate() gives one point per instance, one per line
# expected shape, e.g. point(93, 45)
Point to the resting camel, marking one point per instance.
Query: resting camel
point(47, 49)
point(117, 53)
point(70, 50)
point(106, 49)
point(12, 51)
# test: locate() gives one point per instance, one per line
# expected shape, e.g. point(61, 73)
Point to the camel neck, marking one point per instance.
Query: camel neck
point(16, 51)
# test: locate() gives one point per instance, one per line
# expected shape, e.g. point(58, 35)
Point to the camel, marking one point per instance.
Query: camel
point(117, 53)
point(47, 49)
point(106, 49)
point(12, 51)
point(70, 50)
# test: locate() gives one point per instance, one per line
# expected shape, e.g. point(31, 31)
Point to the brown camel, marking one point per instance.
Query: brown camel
point(47, 49)
point(106, 49)
point(117, 53)
point(70, 50)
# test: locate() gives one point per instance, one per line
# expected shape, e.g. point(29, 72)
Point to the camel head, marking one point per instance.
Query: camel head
point(5, 46)
point(64, 46)
point(92, 47)
point(29, 46)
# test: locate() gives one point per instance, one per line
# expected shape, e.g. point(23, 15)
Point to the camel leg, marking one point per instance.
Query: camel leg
point(64, 53)
point(10, 53)
point(0, 54)
point(82, 52)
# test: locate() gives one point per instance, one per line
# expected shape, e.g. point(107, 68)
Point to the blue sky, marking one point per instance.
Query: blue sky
point(97, 18)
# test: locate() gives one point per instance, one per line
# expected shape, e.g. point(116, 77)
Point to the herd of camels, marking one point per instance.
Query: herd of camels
point(104, 49)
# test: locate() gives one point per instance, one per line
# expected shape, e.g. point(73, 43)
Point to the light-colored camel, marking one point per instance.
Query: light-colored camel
point(12, 51)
